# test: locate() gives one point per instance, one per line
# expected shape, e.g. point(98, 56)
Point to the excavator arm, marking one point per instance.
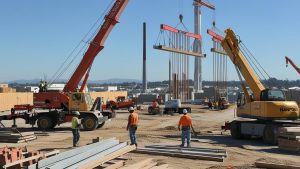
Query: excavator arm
point(288, 60)
point(96, 45)
point(231, 45)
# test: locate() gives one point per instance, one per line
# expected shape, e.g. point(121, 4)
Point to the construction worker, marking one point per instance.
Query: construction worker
point(75, 128)
point(133, 120)
point(185, 125)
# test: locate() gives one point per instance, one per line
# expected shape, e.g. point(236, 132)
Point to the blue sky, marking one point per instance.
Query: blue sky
point(36, 36)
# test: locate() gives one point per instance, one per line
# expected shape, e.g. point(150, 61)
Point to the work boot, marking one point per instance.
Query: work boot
point(181, 145)
point(188, 146)
point(135, 144)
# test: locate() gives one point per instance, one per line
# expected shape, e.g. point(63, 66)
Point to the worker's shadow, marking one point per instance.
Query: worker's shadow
point(254, 144)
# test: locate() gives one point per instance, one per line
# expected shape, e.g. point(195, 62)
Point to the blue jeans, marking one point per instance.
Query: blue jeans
point(76, 136)
point(186, 134)
point(132, 131)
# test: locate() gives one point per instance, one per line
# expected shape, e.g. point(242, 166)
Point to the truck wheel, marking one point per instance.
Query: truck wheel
point(270, 134)
point(150, 110)
point(100, 125)
point(235, 130)
point(89, 123)
point(45, 123)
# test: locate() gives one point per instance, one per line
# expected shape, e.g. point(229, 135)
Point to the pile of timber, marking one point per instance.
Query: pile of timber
point(289, 138)
point(146, 164)
point(10, 137)
point(184, 152)
point(88, 156)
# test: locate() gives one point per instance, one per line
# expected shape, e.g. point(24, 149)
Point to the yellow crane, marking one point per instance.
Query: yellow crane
point(261, 111)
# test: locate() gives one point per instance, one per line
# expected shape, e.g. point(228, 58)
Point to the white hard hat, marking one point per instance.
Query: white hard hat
point(76, 113)
point(131, 109)
point(184, 111)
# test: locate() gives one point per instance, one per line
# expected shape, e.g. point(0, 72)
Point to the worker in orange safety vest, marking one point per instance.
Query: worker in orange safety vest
point(132, 125)
point(185, 125)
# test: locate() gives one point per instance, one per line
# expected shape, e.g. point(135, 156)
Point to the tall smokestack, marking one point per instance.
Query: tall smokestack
point(144, 58)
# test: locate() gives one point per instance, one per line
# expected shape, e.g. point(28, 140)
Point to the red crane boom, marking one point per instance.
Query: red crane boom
point(97, 44)
point(288, 60)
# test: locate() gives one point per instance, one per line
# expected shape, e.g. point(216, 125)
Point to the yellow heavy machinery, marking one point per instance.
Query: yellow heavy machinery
point(260, 111)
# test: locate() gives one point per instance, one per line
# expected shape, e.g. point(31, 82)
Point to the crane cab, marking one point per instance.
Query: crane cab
point(80, 101)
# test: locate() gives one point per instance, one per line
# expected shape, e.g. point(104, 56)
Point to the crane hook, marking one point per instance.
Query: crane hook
point(181, 18)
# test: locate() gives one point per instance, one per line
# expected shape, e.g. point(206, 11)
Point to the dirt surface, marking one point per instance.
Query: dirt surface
point(156, 129)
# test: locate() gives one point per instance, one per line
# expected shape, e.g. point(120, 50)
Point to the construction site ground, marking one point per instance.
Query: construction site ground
point(156, 129)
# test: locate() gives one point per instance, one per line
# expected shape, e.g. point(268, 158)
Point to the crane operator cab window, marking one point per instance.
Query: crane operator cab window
point(241, 99)
point(272, 95)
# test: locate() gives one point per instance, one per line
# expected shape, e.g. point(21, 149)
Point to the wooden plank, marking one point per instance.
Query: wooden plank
point(139, 164)
point(164, 48)
point(215, 50)
point(288, 143)
point(275, 166)
point(180, 155)
point(104, 159)
point(289, 129)
point(55, 152)
point(116, 165)
point(150, 165)
point(36, 157)
point(164, 166)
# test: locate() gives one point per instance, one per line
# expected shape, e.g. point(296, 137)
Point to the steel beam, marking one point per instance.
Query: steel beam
point(67, 154)
point(81, 164)
point(82, 156)
point(186, 148)
point(164, 48)
point(216, 50)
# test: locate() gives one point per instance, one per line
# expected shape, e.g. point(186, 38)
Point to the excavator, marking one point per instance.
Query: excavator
point(288, 60)
point(260, 111)
point(53, 108)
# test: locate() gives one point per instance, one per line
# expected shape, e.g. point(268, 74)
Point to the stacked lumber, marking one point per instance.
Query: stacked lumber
point(146, 164)
point(289, 138)
point(88, 156)
point(10, 137)
point(183, 152)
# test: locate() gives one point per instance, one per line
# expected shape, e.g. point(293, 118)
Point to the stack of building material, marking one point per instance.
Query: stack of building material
point(289, 138)
point(86, 157)
point(10, 137)
point(146, 164)
point(191, 153)
point(12, 157)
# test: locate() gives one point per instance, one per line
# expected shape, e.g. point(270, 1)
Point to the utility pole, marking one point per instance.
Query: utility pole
point(144, 58)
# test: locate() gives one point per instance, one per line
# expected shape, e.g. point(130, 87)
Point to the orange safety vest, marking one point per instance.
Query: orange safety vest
point(134, 118)
point(185, 120)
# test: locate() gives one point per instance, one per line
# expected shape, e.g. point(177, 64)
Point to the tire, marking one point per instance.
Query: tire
point(235, 130)
point(89, 123)
point(150, 110)
point(45, 123)
point(270, 134)
point(100, 125)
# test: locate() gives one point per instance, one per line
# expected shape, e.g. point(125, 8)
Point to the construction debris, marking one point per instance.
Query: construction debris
point(10, 137)
point(191, 153)
point(289, 138)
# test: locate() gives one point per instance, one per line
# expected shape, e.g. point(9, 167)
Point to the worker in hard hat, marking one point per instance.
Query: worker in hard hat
point(75, 128)
point(133, 120)
point(185, 125)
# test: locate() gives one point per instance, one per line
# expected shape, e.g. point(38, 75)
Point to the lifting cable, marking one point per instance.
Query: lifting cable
point(66, 63)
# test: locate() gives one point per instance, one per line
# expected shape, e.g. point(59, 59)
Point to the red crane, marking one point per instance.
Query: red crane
point(288, 60)
point(61, 104)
